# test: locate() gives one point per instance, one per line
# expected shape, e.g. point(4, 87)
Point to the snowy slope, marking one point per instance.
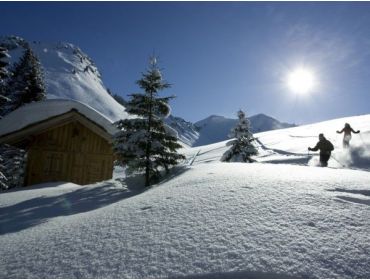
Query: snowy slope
point(290, 145)
point(186, 131)
point(69, 74)
point(276, 218)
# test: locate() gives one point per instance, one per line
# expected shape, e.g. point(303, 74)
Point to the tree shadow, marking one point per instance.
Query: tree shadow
point(36, 187)
point(363, 192)
point(355, 200)
point(239, 275)
point(174, 172)
point(38, 210)
point(295, 161)
point(352, 199)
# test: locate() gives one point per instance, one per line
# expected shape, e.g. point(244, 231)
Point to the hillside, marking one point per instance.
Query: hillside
point(69, 74)
point(186, 131)
point(289, 146)
point(277, 218)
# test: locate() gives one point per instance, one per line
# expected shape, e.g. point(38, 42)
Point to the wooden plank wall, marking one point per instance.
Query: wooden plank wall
point(71, 152)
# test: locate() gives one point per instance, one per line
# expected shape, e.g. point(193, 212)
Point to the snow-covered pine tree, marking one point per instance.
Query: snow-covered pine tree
point(23, 86)
point(27, 83)
point(3, 179)
point(241, 147)
point(14, 162)
point(3, 75)
point(3, 64)
point(143, 143)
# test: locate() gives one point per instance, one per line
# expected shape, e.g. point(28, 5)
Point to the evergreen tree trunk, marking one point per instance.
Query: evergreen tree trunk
point(148, 145)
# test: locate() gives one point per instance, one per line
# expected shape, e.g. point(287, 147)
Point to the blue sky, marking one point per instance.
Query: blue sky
point(219, 56)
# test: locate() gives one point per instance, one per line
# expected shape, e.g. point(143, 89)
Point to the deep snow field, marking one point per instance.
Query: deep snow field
point(280, 217)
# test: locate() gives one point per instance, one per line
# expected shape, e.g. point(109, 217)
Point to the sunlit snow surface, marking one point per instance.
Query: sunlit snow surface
point(277, 218)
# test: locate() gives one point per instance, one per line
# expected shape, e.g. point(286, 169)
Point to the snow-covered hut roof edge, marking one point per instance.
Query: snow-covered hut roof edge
point(43, 110)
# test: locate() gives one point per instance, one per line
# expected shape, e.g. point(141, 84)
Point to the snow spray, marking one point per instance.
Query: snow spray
point(338, 161)
point(363, 142)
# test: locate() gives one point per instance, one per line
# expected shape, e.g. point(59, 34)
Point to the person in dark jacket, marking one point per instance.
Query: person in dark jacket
point(347, 129)
point(325, 147)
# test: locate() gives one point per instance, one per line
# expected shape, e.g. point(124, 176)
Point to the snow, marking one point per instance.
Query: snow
point(39, 111)
point(277, 218)
point(212, 220)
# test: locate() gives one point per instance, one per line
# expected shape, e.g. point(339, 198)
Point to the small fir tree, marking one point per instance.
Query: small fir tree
point(241, 147)
point(144, 143)
point(27, 83)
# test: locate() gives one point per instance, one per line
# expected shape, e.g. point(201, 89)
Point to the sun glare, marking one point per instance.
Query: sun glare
point(301, 81)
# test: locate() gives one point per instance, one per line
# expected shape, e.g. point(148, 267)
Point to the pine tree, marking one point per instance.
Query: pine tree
point(24, 86)
point(3, 64)
point(3, 179)
point(13, 165)
point(143, 143)
point(4, 74)
point(27, 83)
point(241, 147)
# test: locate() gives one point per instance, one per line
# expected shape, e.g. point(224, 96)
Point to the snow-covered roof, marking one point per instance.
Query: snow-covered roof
point(43, 110)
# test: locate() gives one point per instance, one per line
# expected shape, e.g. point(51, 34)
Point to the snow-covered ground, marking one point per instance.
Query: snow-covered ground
point(276, 218)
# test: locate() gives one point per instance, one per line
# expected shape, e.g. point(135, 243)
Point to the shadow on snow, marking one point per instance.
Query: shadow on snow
point(353, 199)
point(38, 210)
point(35, 211)
point(239, 275)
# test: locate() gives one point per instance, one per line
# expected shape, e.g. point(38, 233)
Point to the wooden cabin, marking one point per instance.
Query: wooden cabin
point(72, 143)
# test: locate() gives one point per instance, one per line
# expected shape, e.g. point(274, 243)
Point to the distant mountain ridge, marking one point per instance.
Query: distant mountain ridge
point(217, 128)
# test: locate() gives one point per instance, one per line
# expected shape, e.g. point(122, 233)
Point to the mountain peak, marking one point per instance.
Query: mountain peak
point(216, 128)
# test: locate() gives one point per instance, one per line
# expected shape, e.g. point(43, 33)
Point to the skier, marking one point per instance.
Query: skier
point(325, 147)
point(347, 129)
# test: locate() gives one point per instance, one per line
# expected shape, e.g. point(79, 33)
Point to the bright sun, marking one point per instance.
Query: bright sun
point(301, 81)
